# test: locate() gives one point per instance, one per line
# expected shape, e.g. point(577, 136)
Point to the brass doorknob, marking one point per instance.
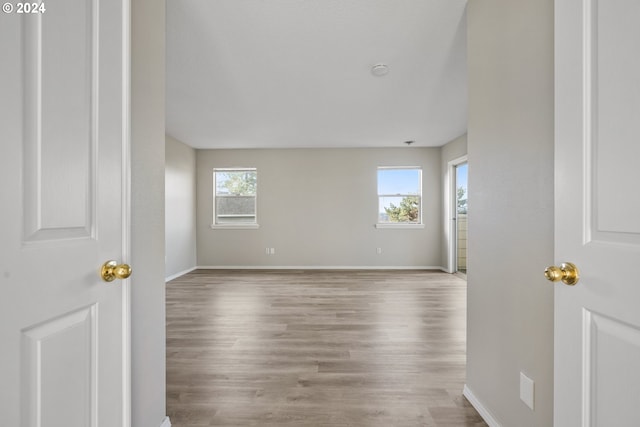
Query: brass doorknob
point(567, 272)
point(111, 271)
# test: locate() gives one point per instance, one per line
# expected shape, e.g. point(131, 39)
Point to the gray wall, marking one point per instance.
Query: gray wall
point(318, 207)
point(451, 151)
point(510, 143)
point(180, 207)
point(147, 176)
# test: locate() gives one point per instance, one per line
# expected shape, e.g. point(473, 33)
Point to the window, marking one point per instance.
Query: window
point(399, 196)
point(235, 197)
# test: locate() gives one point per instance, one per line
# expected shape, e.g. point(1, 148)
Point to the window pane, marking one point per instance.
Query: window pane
point(398, 181)
point(399, 209)
point(235, 209)
point(237, 183)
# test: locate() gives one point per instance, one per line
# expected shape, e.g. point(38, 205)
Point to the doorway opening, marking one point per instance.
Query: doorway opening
point(461, 179)
point(458, 214)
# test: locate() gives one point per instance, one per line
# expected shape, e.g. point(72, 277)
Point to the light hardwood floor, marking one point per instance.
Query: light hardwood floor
point(317, 348)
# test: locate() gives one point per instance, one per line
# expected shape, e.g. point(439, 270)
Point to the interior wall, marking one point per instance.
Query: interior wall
point(180, 207)
point(318, 208)
point(510, 144)
point(147, 204)
point(451, 151)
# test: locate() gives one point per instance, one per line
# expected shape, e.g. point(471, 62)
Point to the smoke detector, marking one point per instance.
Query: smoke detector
point(379, 70)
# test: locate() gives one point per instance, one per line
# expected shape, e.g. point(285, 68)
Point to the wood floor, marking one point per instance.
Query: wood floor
point(317, 348)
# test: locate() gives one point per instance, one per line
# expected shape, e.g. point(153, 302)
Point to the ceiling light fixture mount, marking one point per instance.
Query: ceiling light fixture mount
point(380, 70)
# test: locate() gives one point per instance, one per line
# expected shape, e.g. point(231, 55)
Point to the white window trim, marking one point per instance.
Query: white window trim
point(233, 226)
point(399, 225)
point(405, 225)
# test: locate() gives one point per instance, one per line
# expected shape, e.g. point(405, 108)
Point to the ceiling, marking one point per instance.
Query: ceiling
point(297, 73)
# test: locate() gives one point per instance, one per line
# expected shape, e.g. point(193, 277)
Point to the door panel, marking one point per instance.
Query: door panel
point(611, 393)
point(597, 322)
point(613, 101)
point(64, 146)
point(59, 142)
point(68, 341)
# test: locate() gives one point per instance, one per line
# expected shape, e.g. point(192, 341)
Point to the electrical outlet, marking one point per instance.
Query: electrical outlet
point(272, 251)
point(379, 251)
point(527, 388)
point(266, 251)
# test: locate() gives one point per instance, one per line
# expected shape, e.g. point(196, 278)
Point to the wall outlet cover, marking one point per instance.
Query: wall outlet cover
point(527, 388)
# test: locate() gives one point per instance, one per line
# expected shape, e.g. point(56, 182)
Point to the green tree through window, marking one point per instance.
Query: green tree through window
point(407, 211)
point(461, 200)
point(236, 183)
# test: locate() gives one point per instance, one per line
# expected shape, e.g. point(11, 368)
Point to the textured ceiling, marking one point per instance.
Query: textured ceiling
point(297, 73)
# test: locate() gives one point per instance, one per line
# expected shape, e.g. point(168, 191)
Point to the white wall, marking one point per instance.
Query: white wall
point(180, 207)
point(318, 207)
point(510, 144)
point(450, 151)
point(147, 175)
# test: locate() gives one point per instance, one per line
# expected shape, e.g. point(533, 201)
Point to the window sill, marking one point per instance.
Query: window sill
point(385, 225)
point(235, 226)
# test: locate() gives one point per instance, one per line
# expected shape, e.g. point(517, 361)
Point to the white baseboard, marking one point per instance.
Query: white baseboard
point(166, 422)
point(482, 410)
point(182, 273)
point(317, 267)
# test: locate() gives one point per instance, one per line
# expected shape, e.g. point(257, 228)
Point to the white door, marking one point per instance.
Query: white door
point(63, 143)
point(597, 321)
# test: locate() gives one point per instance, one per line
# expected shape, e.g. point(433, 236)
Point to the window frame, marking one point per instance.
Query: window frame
point(234, 225)
point(405, 225)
